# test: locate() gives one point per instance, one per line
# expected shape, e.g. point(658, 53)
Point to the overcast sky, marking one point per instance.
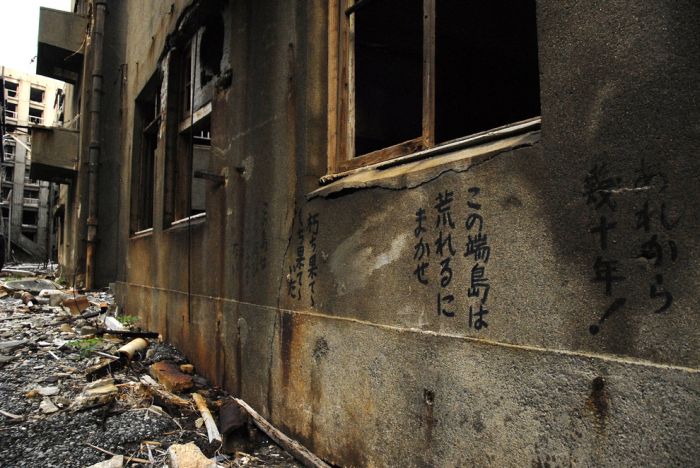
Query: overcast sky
point(18, 34)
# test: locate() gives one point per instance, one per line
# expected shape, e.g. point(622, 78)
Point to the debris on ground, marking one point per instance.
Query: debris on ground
point(76, 392)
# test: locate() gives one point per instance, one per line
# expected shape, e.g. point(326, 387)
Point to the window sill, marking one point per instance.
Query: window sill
point(179, 224)
point(141, 234)
point(423, 165)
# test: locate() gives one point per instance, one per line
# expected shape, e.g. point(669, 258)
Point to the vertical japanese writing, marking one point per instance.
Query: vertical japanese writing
point(599, 190)
point(654, 220)
point(478, 250)
point(296, 271)
point(312, 225)
point(444, 251)
point(421, 249)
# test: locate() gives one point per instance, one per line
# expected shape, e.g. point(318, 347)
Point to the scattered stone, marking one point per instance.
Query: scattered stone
point(97, 393)
point(47, 406)
point(188, 456)
point(113, 324)
point(47, 391)
point(32, 285)
point(76, 305)
point(88, 330)
point(187, 368)
point(66, 328)
point(12, 345)
point(170, 377)
point(116, 461)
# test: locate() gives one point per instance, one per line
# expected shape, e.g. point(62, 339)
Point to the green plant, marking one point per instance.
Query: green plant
point(128, 320)
point(85, 346)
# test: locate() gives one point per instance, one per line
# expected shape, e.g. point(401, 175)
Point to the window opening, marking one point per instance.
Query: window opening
point(36, 94)
point(36, 116)
point(211, 50)
point(12, 89)
point(412, 74)
point(10, 110)
point(144, 155)
point(29, 217)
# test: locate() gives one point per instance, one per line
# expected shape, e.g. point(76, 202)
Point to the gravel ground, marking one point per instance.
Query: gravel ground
point(41, 377)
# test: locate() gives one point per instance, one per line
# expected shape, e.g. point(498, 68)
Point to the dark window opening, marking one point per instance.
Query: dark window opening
point(9, 151)
point(388, 73)
point(211, 50)
point(9, 174)
point(11, 88)
point(486, 66)
point(29, 217)
point(10, 110)
point(186, 82)
point(147, 123)
point(30, 234)
point(416, 73)
point(36, 115)
point(36, 94)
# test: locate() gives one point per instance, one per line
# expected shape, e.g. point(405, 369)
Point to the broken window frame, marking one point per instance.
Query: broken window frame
point(341, 97)
point(10, 92)
point(37, 89)
point(36, 119)
point(180, 177)
point(147, 120)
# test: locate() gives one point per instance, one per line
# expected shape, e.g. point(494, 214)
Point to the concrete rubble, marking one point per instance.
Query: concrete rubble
point(73, 394)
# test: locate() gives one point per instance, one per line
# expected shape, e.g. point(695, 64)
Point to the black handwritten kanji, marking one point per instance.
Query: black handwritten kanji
point(472, 218)
point(420, 217)
point(665, 222)
point(646, 175)
point(602, 228)
point(599, 186)
point(444, 241)
point(478, 247)
point(448, 298)
point(443, 207)
point(657, 290)
point(605, 272)
point(480, 322)
point(445, 272)
point(479, 282)
point(422, 249)
point(471, 204)
point(420, 272)
point(652, 250)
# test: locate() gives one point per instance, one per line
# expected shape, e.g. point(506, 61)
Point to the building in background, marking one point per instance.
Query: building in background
point(29, 101)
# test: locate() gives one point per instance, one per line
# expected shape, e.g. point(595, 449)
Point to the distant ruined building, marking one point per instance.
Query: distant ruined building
point(28, 101)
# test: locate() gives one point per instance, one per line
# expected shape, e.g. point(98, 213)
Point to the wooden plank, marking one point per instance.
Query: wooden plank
point(212, 430)
point(428, 73)
point(402, 149)
point(333, 82)
point(297, 450)
point(350, 102)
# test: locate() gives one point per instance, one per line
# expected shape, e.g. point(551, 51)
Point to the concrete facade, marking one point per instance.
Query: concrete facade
point(29, 100)
point(588, 354)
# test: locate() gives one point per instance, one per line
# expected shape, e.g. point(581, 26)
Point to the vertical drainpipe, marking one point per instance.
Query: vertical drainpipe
point(94, 147)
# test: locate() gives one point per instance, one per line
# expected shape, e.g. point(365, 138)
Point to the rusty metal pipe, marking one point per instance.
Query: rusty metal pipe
point(94, 148)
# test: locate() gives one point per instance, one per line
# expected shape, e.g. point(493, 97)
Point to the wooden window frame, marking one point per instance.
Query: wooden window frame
point(341, 92)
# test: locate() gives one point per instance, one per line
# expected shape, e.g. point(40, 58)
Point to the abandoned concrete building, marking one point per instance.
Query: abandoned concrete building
point(28, 101)
point(409, 233)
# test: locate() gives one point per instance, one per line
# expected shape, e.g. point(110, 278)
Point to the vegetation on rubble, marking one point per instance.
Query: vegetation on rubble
point(85, 346)
point(128, 320)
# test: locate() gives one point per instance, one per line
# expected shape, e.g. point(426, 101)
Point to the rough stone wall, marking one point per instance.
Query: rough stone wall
point(590, 356)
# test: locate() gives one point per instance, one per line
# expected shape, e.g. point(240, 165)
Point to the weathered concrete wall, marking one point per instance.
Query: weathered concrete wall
point(578, 364)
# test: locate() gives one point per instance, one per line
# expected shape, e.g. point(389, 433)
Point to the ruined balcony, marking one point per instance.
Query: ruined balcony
point(54, 154)
point(60, 44)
